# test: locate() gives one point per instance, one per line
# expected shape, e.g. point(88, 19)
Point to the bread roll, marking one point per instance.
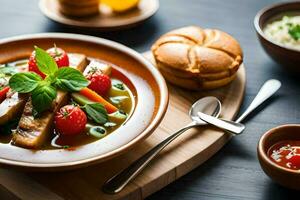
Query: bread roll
point(196, 58)
point(79, 8)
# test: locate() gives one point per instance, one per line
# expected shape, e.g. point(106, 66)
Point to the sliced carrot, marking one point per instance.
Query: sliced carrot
point(93, 96)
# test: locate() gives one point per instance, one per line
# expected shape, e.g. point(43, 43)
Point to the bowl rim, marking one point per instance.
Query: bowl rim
point(259, 29)
point(155, 121)
point(264, 155)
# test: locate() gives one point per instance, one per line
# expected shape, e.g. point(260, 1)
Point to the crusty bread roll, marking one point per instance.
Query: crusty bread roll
point(196, 58)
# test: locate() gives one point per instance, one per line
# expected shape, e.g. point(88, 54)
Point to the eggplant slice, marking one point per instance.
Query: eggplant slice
point(12, 107)
point(33, 132)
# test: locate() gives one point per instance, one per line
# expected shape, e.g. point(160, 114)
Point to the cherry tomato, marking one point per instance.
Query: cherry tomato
point(60, 56)
point(70, 120)
point(99, 82)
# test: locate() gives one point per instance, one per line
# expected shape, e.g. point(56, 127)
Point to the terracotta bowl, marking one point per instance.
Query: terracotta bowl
point(150, 91)
point(285, 177)
point(287, 57)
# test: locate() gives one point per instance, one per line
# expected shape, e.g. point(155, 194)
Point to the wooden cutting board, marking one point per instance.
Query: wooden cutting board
point(183, 155)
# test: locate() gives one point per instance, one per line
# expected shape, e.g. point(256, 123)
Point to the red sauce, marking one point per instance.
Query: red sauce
point(286, 154)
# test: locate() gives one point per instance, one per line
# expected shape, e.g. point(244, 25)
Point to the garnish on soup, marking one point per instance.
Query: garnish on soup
point(285, 31)
point(286, 154)
point(83, 99)
point(66, 79)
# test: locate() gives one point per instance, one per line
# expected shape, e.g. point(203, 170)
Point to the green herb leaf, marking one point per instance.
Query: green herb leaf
point(96, 112)
point(70, 79)
point(24, 82)
point(45, 62)
point(294, 32)
point(42, 97)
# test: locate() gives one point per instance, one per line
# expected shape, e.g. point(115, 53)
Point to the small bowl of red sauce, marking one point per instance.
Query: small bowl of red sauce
point(279, 155)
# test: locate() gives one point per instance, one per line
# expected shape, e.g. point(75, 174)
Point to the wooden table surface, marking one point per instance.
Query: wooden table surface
point(234, 172)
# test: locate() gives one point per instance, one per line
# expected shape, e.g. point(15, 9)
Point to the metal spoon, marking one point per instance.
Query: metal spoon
point(266, 91)
point(208, 105)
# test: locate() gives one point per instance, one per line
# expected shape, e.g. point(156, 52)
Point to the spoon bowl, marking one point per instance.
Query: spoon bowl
point(208, 105)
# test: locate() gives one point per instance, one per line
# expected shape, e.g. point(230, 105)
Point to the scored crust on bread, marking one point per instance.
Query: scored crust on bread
point(199, 54)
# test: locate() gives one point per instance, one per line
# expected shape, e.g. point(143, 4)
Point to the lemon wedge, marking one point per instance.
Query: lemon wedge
point(121, 5)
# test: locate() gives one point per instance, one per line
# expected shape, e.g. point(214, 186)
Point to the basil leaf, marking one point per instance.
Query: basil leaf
point(24, 82)
point(294, 31)
point(42, 97)
point(70, 79)
point(96, 112)
point(45, 62)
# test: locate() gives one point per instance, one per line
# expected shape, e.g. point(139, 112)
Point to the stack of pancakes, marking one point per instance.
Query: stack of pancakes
point(196, 58)
point(79, 8)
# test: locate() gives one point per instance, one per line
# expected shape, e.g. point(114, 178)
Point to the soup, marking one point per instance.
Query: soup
point(285, 31)
point(68, 107)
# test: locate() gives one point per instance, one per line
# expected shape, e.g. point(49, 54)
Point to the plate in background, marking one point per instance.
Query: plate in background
point(105, 21)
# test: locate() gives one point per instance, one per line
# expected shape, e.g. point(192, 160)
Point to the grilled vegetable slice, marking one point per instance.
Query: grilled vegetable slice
point(12, 107)
point(95, 66)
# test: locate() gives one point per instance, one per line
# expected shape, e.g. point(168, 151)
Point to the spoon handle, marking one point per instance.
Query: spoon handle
point(119, 181)
point(266, 91)
point(229, 126)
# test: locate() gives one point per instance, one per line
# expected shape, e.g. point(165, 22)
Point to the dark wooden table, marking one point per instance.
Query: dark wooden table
point(234, 172)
